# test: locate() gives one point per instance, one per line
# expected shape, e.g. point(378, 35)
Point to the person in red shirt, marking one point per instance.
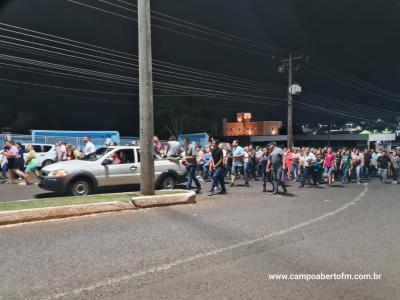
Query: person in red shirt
point(328, 165)
point(289, 158)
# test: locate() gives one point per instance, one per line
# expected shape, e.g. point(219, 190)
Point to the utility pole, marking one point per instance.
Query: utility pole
point(288, 66)
point(290, 105)
point(146, 114)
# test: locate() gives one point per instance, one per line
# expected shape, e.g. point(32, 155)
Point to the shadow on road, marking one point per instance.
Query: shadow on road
point(108, 190)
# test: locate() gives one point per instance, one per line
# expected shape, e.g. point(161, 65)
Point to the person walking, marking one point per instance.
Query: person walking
point(217, 168)
point(345, 166)
point(190, 157)
point(367, 163)
point(258, 156)
point(395, 162)
point(374, 163)
point(329, 165)
point(357, 161)
point(384, 165)
point(264, 169)
point(12, 155)
point(31, 166)
point(289, 161)
point(238, 163)
point(228, 161)
point(248, 162)
point(309, 168)
point(4, 165)
point(275, 166)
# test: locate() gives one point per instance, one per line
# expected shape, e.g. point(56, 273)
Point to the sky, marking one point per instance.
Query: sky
point(336, 38)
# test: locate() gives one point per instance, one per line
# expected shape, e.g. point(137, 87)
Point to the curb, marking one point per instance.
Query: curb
point(41, 214)
point(184, 197)
point(48, 213)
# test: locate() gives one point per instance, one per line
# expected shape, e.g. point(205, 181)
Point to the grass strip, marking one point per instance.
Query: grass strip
point(65, 201)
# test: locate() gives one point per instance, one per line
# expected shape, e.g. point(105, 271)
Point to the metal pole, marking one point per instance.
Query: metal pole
point(330, 134)
point(146, 100)
point(290, 106)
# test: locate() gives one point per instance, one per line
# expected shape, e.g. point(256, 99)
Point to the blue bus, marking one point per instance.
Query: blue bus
point(98, 138)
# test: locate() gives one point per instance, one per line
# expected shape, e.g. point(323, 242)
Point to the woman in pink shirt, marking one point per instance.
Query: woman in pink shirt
point(11, 154)
point(328, 165)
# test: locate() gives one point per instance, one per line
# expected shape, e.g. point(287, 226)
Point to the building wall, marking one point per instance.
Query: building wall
point(248, 128)
point(271, 127)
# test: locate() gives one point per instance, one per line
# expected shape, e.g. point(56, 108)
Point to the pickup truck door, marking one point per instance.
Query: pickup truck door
point(123, 173)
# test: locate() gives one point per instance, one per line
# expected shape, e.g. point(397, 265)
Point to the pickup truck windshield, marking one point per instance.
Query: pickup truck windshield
point(97, 155)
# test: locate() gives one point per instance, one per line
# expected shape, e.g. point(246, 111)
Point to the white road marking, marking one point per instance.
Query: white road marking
point(166, 267)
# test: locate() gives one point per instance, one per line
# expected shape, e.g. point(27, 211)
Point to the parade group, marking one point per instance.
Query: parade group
point(227, 162)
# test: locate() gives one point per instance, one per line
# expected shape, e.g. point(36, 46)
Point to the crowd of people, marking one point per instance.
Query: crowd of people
point(20, 162)
point(226, 162)
point(65, 152)
point(15, 165)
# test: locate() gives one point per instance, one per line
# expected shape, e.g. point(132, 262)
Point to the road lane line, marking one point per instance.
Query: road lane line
point(166, 267)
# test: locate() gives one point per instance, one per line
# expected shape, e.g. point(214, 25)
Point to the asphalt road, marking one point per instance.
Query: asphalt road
point(15, 192)
point(223, 247)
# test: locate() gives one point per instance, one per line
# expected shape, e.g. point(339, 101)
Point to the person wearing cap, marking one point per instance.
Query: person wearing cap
point(275, 166)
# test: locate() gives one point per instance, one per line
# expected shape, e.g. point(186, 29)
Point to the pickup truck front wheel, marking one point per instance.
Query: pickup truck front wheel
point(166, 182)
point(80, 187)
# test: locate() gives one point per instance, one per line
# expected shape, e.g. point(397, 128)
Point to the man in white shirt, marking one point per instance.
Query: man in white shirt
point(309, 162)
point(89, 147)
point(61, 151)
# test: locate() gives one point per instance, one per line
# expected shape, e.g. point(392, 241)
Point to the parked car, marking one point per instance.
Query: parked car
point(45, 154)
point(108, 166)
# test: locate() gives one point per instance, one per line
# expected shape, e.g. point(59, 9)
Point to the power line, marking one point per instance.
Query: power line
point(87, 59)
point(359, 81)
point(334, 101)
point(262, 44)
point(110, 76)
point(65, 88)
point(130, 56)
point(157, 70)
point(326, 110)
point(177, 31)
point(358, 111)
point(363, 89)
point(209, 31)
point(213, 96)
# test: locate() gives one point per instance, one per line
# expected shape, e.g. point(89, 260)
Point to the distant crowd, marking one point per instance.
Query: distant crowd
point(313, 166)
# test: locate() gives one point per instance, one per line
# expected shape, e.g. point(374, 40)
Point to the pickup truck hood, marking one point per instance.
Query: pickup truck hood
point(70, 165)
